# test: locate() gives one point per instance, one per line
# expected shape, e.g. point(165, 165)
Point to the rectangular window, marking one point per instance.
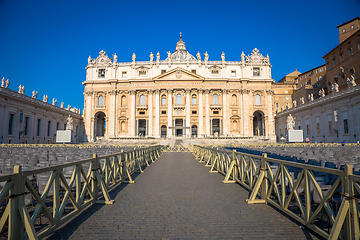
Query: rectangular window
point(215, 112)
point(163, 112)
point(276, 105)
point(163, 71)
point(194, 112)
point(330, 127)
point(38, 127)
point(334, 61)
point(341, 58)
point(57, 126)
point(11, 124)
point(124, 74)
point(233, 73)
point(193, 71)
point(308, 129)
point(256, 71)
point(318, 128)
point(49, 129)
point(65, 126)
point(350, 52)
point(193, 100)
point(346, 126)
point(101, 72)
point(142, 73)
point(163, 101)
point(214, 72)
point(27, 119)
point(142, 113)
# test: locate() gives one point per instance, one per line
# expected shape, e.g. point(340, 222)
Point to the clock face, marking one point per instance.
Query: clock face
point(101, 60)
point(255, 58)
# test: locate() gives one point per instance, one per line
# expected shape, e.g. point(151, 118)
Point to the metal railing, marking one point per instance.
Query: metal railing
point(322, 199)
point(67, 190)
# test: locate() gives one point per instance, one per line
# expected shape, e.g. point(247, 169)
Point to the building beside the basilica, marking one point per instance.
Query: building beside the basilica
point(182, 95)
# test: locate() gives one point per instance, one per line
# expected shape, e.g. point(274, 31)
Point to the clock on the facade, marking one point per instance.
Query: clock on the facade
point(255, 58)
point(102, 60)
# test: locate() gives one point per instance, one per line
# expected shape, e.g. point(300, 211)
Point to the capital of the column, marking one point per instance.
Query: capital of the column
point(187, 90)
point(269, 91)
point(206, 91)
point(225, 91)
point(132, 92)
point(112, 92)
point(200, 90)
point(151, 91)
point(170, 91)
point(157, 91)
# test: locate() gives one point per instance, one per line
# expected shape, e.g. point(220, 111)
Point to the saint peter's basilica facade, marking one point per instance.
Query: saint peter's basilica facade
point(181, 96)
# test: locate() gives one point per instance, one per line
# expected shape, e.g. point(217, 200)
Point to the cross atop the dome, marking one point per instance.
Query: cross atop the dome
point(180, 36)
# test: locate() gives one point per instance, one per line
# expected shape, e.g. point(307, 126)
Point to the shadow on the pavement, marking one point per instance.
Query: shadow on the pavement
point(66, 230)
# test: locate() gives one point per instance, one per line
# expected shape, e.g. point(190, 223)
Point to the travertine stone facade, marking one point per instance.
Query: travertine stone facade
point(25, 119)
point(182, 95)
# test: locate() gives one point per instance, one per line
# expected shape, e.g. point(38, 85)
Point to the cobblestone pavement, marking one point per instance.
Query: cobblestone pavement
point(177, 198)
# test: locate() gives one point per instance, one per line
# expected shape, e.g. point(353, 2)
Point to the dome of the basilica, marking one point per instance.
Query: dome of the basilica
point(180, 54)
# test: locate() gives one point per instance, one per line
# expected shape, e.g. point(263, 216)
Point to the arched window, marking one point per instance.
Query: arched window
point(123, 100)
point(235, 124)
point(163, 100)
point(178, 99)
point(122, 126)
point(234, 99)
point(101, 101)
point(193, 100)
point(142, 100)
point(257, 99)
point(215, 99)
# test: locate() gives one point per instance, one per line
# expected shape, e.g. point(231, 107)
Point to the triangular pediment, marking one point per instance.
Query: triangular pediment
point(178, 74)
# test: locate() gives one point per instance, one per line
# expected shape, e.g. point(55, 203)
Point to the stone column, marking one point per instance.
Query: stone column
point(241, 106)
point(201, 113)
point(89, 127)
point(225, 124)
point(207, 113)
point(270, 130)
point(150, 125)
point(132, 113)
point(246, 117)
point(111, 124)
point(170, 130)
point(187, 113)
point(157, 113)
point(2, 122)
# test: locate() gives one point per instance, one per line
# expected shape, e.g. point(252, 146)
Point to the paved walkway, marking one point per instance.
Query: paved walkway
point(177, 198)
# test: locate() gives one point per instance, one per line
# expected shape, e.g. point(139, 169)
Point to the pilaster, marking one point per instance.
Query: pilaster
point(201, 113)
point(187, 113)
point(170, 130)
point(207, 113)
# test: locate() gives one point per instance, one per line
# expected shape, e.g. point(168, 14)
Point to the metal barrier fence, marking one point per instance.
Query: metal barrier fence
point(322, 199)
point(69, 189)
point(176, 148)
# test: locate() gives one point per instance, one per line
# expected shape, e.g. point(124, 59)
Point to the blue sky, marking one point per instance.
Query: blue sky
point(44, 45)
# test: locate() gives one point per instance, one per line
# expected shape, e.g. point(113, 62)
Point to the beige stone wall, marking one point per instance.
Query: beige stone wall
point(132, 96)
point(26, 119)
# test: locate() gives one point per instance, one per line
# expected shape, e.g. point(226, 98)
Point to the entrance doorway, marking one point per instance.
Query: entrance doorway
point(100, 124)
point(215, 127)
point(163, 131)
point(142, 127)
point(194, 130)
point(258, 123)
point(179, 131)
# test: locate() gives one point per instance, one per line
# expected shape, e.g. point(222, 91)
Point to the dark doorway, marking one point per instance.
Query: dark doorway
point(163, 131)
point(179, 131)
point(216, 127)
point(194, 130)
point(142, 127)
point(258, 123)
point(100, 124)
